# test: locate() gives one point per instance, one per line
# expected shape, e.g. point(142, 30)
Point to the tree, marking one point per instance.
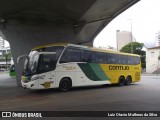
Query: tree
point(7, 58)
point(137, 49)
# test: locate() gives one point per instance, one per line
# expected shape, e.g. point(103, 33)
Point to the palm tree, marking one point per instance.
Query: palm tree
point(7, 58)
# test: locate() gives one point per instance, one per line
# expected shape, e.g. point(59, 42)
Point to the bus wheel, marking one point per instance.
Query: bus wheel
point(128, 80)
point(65, 84)
point(121, 81)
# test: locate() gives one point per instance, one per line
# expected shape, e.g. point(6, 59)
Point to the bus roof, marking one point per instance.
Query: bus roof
point(83, 47)
point(101, 50)
point(50, 45)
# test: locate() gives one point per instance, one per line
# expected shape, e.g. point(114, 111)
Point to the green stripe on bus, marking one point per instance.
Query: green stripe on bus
point(98, 71)
point(93, 71)
point(88, 71)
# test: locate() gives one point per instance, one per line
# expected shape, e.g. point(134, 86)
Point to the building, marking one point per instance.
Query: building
point(4, 50)
point(123, 38)
point(152, 62)
point(157, 40)
point(2, 43)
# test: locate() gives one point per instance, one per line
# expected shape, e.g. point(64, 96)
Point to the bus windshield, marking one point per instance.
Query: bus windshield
point(31, 64)
point(39, 63)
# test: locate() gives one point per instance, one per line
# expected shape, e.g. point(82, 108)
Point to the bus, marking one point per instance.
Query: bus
point(65, 65)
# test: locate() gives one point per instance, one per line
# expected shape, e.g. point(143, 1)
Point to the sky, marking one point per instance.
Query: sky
point(144, 17)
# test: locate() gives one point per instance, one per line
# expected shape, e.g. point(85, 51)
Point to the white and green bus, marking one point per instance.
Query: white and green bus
point(65, 66)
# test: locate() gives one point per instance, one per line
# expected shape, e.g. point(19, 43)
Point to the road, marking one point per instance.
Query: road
point(6, 80)
point(141, 96)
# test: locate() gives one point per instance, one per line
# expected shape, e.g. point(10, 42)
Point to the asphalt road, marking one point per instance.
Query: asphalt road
point(141, 96)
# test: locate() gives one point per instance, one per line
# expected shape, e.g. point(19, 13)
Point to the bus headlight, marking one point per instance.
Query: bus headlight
point(26, 79)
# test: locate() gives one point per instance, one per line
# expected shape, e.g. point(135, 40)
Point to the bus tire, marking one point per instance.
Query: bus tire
point(121, 81)
point(65, 84)
point(128, 80)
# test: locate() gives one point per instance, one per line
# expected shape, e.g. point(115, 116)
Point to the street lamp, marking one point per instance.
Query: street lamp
point(117, 39)
point(131, 36)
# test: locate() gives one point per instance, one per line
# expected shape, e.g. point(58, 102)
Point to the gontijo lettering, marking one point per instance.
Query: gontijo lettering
point(118, 67)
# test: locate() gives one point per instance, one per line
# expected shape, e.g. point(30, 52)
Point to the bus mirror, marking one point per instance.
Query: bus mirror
point(20, 57)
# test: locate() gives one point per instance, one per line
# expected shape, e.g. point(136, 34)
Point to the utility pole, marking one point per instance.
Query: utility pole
point(131, 36)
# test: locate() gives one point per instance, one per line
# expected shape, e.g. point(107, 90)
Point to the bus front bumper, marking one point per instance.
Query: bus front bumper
point(29, 85)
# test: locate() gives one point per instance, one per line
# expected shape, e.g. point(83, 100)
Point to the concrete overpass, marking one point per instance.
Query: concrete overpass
point(29, 23)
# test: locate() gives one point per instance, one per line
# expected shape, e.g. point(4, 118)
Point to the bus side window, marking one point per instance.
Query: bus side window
point(66, 56)
point(118, 59)
point(106, 58)
point(85, 56)
point(137, 60)
point(131, 60)
point(102, 57)
point(71, 54)
point(75, 55)
point(109, 59)
point(112, 59)
point(123, 59)
point(47, 63)
point(95, 58)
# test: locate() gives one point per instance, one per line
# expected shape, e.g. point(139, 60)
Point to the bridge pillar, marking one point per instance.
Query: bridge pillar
point(25, 36)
